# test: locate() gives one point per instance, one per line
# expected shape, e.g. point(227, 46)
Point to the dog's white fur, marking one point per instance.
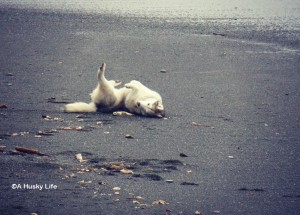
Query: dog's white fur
point(78, 107)
point(106, 96)
point(134, 98)
point(141, 100)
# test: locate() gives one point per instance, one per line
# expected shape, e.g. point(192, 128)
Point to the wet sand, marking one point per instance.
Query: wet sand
point(229, 143)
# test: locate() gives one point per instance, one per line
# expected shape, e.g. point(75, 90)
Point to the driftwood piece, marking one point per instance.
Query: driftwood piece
point(29, 150)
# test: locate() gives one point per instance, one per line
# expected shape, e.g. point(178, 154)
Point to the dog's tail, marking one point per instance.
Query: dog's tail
point(80, 107)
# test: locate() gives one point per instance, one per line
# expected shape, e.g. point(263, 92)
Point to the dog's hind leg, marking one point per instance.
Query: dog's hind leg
point(100, 75)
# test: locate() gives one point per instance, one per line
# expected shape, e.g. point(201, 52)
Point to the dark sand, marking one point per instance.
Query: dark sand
point(232, 105)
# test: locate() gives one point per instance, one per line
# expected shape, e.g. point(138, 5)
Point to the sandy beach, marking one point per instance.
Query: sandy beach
point(229, 143)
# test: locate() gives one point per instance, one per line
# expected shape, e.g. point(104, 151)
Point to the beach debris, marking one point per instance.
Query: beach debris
point(83, 170)
point(14, 152)
point(53, 100)
point(230, 157)
point(93, 126)
point(47, 133)
point(117, 167)
point(80, 116)
point(2, 148)
point(216, 212)
point(80, 158)
point(169, 181)
point(70, 128)
point(219, 34)
point(48, 118)
point(3, 106)
point(102, 183)
point(163, 71)
point(22, 133)
point(196, 123)
point(159, 202)
point(84, 182)
point(126, 171)
point(172, 162)
point(9, 74)
point(135, 202)
point(111, 167)
point(183, 155)
point(38, 136)
point(189, 171)
point(116, 189)
point(29, 151)
point(138, 197)
point(152, 177)
point(251, 190)
point(72, 175)
point(122, 113)
point(199, 124)
point(197, 213)
point(168, 212)
point(128, 136)
point(189, 183)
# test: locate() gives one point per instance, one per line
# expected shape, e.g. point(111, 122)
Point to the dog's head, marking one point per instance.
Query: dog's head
point(151, 107)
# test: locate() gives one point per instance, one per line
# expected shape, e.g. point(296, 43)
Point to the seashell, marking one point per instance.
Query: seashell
point(126, 171)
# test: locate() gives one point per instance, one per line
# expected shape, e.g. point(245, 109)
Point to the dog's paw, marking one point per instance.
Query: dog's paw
point(115, 83)
point(102, 67)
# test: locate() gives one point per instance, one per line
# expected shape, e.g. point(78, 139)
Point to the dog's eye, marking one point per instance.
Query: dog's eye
point(148, 103)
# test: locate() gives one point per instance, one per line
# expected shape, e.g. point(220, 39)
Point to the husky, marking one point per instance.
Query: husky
point(134, 97)
point(143, 101)
point(105, 97)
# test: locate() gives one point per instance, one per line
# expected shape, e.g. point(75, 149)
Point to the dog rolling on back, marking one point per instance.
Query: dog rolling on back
point(134, 98)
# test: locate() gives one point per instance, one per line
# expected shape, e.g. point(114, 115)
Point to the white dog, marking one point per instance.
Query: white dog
point(134, 98)
point(141, 100)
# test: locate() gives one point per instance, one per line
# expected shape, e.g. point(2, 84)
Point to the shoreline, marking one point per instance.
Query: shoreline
point(255, 30)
